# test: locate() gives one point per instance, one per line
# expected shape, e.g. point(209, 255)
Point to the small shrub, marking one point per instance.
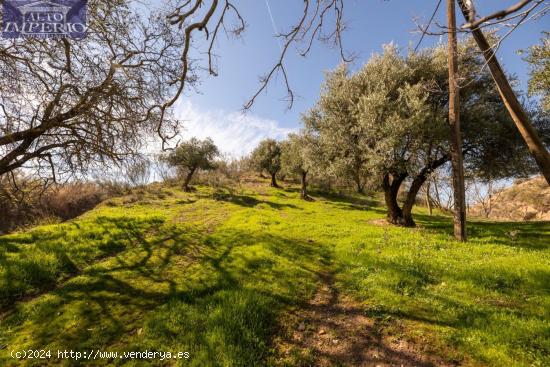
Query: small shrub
point(72, 200)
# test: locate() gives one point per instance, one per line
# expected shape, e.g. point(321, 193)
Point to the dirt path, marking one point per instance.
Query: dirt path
point(332, 330)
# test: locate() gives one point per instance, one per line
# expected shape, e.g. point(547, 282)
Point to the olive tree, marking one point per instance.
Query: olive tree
point(267, 157)
point(538, 57)
point(396, 109)
point(193, 155)
point(298, 157)
point(341, 135)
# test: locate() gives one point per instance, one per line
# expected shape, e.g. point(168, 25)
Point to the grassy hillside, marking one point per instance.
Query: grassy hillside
point(222, 274)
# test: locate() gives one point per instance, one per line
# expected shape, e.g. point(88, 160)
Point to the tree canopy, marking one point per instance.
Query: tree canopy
point(299, 156)
point(66, 105)
point(389, 120)
point(538, 56)
point(191, 156)
point(267, 157)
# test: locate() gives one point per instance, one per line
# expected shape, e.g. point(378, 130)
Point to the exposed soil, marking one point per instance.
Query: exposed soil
point(380, 222)
point(527, 200)
point(333, 330)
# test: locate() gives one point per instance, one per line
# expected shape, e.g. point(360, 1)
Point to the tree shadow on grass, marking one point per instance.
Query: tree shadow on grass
point(528, 235)
point(333, 330)
point(481, 308)
point(217, 298)
point(248, 201)
point(35, 262)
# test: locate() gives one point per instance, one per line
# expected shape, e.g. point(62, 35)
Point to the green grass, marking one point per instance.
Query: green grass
point(211, 272)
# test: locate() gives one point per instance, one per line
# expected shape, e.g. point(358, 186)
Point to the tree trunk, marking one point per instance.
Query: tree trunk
point(490, 199)
point(358, 184)
point(454, 124)
point(527, 131)
point(411, 198)
point(403, 216)
point(188, 180)
point(437, 196)
point(395, 214)
point(273, 181)
point(428, 198)
point(303, 191)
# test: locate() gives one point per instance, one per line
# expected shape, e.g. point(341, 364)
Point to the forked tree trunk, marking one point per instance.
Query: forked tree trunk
point(403, 216)
point(454, 124)
point(273, 180)
point(395, 214)
point(187, 180)
point(303, 191)
point(526, 129)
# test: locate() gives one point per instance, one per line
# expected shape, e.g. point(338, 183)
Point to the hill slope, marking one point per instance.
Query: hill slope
point(254, 276)
point(528, 200)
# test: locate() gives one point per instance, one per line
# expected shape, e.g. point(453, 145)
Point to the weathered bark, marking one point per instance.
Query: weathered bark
point(411, 198)
point(514, 107)
point(273, 180)
point(303, 191)
point(403, 216)
point(395, 214)
point(454, 124)
point(187, 180)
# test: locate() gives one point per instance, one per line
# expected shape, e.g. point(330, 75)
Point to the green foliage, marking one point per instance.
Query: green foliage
point(341, 137)
point(484, 298)
point(267, 157)
point(538, 56)
point(391, 116)
point(211, 272)
point(194, 154)
point(300, 154)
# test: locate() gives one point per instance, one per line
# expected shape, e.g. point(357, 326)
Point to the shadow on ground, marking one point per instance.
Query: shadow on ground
point(215, 296)
point(533, 235)
point(332, 330)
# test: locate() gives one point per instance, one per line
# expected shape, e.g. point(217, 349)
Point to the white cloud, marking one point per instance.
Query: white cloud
point(234, 133)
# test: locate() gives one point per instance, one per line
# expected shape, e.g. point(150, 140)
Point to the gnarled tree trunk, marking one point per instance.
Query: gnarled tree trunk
point(187, 180)
point(411, 198)
point(392, 183)
point(303, 190)
point(273, 180)
point(395, 214)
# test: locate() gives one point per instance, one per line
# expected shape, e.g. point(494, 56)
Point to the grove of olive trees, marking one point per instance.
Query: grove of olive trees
point(389, 120)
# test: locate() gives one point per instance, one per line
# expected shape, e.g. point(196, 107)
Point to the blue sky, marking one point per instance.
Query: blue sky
point(214, 110)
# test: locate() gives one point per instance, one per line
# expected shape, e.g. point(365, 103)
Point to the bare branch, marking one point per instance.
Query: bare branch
point(497, 15)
